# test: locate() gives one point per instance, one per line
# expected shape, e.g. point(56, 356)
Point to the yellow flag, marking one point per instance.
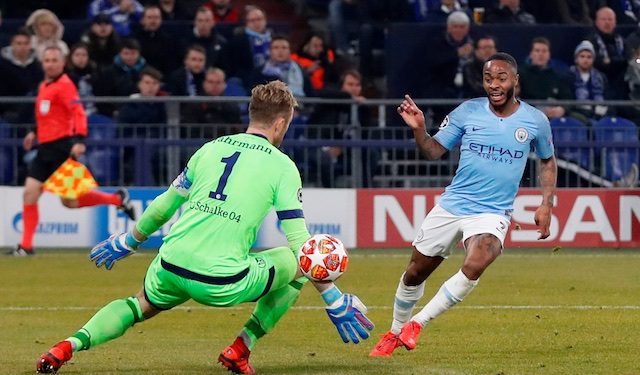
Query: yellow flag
point(70, 180)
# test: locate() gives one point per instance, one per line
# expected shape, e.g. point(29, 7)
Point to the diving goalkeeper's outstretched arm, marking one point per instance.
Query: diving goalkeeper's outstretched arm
point(121, 245)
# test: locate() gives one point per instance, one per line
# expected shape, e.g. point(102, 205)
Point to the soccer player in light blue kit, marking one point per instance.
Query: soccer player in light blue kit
point(495, 136)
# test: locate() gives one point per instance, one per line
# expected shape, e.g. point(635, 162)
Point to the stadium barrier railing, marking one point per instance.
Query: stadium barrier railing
point(348, 154)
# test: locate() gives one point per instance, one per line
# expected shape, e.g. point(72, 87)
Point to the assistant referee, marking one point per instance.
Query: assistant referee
point(61, 126)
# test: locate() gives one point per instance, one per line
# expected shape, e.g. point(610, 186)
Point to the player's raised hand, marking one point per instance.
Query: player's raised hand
point(411, 114)
point(111, 250)
point(347, 313)
point(543, 221)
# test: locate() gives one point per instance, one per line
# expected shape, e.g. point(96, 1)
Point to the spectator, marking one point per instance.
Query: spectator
point(574, 12)
point(539, 81)
point(150, 118)
point(140, 112)
point(317, 60)
point(418, 10)
point(63, 9)
point(378, 16)
point(223, 116)
point(441, 13)
point(173, 10)
point(100, 7)
point(509, 11)
point(588, 83)
point(223, 11)
point(250, 45)
point(344, 19)
point(47, 31)
point(444, 70)
point(157, 45)
point(281, 67)
point(627, 11)
point(187, 81)
point(632, 78)
point(544, 11)
point(334, 121)
point(121, 78)
point(632, 43)
point(594, 5)
point(123, 13)
point(83, 72)
point(484, 47)
point(610, 58)
point(5, 38)
point(104, 44)
point(205, 35)
point(20, 74)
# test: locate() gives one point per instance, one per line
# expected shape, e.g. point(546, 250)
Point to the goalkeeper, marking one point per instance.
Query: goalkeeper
point(229, 185)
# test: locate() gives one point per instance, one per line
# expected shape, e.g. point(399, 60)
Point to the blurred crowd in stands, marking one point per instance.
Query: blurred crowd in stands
point(225, 47)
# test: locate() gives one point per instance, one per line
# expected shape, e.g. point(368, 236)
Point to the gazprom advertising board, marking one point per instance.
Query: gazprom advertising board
point(331, 211)
point(326, 211)
point(58, 226)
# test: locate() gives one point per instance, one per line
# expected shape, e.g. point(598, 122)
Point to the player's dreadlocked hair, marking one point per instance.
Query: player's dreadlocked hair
point(504, 57)
point(270, 101)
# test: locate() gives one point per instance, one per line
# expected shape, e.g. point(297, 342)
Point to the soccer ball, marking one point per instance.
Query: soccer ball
point(323, 258)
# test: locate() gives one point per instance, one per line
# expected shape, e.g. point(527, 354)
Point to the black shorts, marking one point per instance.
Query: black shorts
point(50, 156)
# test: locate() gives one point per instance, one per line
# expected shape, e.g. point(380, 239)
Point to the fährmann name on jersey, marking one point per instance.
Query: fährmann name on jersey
point(215, 210)
point(242, 144)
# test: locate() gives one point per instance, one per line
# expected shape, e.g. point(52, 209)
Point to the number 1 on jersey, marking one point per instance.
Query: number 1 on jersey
point(230, 161)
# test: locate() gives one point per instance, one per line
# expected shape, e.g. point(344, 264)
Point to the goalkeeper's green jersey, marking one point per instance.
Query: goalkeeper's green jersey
point(230, 184)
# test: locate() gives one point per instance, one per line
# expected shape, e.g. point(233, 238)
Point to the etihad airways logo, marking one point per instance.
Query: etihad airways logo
point(496, 153)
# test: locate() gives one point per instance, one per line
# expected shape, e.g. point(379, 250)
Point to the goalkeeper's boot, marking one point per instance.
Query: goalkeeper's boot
point(126, 206)
point(387, 344)
point(235, 358)
point(20, 251)
point(51, 361)
point(409, 334)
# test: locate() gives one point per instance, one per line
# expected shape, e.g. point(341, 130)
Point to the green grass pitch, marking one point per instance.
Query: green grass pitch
point(534, 312)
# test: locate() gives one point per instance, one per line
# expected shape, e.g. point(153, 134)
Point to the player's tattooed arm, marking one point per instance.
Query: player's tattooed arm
point(429, 147)
point(548, 175)
point(414, 118)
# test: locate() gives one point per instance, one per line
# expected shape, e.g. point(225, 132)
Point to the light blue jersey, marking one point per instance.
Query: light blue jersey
point(493, 154)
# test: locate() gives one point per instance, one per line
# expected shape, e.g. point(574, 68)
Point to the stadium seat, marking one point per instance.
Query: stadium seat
point(616, 159)
point(102, 160)
point(566, 130)
point(6, 155)
point(235, 88)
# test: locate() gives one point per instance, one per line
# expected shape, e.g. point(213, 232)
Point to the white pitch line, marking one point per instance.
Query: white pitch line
point(506, 254)
point(247, 307)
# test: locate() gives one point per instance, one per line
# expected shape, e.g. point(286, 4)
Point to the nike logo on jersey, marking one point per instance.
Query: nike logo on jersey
point(473, 128)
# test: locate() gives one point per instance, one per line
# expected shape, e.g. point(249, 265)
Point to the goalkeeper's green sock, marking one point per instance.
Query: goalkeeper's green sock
point(269, 310)
point(111, 322)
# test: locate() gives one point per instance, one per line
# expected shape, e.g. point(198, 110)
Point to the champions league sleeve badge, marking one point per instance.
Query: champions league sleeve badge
point(444, 122)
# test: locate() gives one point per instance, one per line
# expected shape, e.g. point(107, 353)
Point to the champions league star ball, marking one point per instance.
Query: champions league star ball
point(323, 258)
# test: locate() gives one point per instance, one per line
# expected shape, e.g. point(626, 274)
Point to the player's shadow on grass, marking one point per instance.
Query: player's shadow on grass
point(320, 367)
point(179, 370)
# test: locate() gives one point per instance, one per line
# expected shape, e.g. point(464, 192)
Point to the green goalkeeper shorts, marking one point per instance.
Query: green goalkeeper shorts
point(167, 286)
